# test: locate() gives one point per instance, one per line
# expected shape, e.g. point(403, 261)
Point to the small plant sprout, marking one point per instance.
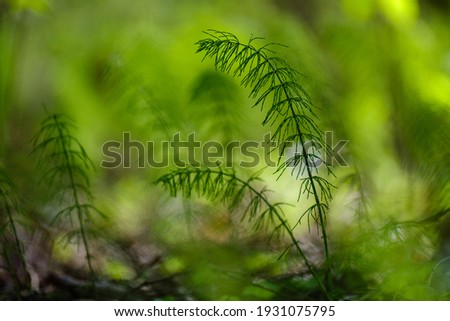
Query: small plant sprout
point(65, 166)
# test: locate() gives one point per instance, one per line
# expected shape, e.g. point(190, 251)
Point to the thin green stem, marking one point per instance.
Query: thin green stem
point(17, 241)
point(273, 209)
point(257, 78)
point(310, 176)
point(78, 206)
point(291, 235)
point(9, 205)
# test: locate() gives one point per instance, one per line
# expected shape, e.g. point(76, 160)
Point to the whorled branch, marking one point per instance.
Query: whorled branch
point(65, 165)
point(288, 107)
point(226, 186)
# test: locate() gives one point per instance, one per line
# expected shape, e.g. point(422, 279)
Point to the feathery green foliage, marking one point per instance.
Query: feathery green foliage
point(65, 166)
point(273, 82)
point(227, 187)
point(9, 230)
point(118, 67)
point(288, 107)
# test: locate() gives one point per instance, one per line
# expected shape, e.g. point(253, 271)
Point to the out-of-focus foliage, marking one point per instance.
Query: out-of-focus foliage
point(379, 71)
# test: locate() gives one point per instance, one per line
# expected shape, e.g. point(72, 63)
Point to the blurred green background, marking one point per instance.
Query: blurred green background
point(378, 69)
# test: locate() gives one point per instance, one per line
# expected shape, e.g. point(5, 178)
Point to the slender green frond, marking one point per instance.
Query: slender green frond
point(9, 208)
point(64, 165)
point(288, 107)
point(225, 186)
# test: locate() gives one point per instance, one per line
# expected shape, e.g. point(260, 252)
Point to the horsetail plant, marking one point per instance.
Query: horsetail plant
point(65, 166)
point(224, 185)
point(9, 232)
point(289, 109)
